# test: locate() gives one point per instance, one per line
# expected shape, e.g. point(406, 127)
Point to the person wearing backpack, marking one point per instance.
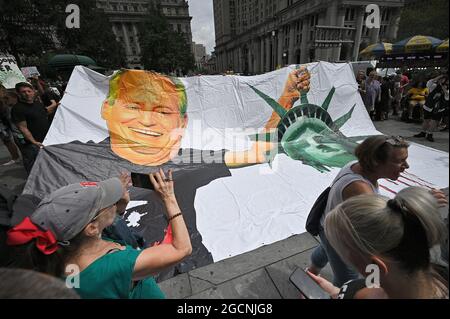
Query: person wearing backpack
point(378, 157)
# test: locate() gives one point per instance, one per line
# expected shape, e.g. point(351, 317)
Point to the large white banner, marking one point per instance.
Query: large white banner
point(253, 205)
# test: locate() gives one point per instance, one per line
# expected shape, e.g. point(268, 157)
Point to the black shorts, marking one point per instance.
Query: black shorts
point(436, 116)
point(5, 134)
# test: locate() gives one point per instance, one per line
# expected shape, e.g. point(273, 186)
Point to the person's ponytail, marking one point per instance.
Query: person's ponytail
point(420, 204)
point(403, 229)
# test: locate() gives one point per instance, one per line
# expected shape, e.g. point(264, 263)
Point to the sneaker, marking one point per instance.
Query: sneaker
point(11, 162)
point(444, 129)
point(430, 137)
point(421, 134)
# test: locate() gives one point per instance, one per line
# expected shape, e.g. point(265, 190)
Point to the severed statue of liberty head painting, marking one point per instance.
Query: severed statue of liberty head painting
point(307, 132)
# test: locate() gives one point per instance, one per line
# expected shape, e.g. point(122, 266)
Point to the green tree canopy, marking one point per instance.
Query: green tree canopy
point(94, 38)
point(424, 17)
point(34, 27)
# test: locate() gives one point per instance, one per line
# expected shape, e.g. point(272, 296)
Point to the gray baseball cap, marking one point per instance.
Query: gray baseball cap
point(67, 211)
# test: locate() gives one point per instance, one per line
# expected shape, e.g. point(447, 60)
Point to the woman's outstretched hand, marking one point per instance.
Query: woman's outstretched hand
point(163, 184)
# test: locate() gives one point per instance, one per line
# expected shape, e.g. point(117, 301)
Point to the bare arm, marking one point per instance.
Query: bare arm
point(52, 107)
point(355, 189)
point(22, 126)
point(153, 260)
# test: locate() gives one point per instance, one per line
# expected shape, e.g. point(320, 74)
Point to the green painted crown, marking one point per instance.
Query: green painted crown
point(295, 125)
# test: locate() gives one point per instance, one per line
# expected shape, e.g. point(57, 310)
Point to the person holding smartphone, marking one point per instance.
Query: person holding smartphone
point(388, 241)
point(63, 238)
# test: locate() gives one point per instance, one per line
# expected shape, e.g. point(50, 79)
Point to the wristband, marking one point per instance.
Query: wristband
point(174, 216)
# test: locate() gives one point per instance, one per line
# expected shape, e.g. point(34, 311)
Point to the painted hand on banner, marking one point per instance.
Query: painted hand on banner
point(297, 83)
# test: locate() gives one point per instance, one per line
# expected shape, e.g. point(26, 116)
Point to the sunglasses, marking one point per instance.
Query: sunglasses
point(102, 211)
point(396, 140)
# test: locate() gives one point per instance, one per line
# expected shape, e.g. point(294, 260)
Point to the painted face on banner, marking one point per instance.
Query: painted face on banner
point(144, 117)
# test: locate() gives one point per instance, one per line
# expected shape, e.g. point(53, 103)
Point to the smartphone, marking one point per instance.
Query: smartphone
point(307, 286)
point(141, 181)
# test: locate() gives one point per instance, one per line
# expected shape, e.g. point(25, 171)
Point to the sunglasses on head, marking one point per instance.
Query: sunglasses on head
point(396, 140)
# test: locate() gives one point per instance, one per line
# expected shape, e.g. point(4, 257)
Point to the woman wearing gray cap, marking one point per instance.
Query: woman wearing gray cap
point(63, 238)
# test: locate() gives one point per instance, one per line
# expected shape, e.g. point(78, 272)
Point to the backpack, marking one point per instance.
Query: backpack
point(315, 215)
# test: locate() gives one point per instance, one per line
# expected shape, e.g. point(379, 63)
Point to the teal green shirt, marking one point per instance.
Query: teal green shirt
point(110, 277)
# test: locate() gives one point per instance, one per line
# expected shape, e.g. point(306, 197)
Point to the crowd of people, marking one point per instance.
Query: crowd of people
point(26, 114)
point(419, 98)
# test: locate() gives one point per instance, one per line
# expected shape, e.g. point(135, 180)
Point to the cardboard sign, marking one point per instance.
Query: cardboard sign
point(30, 71)
point(10, 73)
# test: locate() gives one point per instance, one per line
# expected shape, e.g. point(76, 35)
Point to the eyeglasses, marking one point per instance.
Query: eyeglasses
point(102, 211)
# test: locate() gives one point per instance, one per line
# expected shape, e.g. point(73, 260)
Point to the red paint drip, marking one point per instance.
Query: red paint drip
point(89, 184)
point(424, 185)
point(388, 189)
point(404, 183)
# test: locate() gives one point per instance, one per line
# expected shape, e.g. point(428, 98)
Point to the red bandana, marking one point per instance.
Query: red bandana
point(27, 231)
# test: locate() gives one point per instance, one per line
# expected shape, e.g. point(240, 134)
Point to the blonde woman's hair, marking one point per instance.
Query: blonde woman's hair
point(402, 229)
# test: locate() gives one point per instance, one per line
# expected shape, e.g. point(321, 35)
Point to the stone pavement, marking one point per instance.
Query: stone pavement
point(259, 274)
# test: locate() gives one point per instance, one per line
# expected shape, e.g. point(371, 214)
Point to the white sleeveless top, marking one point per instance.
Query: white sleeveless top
point(340, 183)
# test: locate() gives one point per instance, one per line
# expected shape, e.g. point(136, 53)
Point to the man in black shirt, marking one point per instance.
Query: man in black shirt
point(30, 117)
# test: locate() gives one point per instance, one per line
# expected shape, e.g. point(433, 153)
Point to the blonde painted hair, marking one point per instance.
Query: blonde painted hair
point(402, 229)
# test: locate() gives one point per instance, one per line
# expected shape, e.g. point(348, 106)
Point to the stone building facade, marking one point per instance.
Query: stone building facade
point(125, 15)
point(257, 36)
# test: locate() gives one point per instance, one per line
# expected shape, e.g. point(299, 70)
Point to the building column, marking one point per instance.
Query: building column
point(374, 35)
point(393, 25)
point(236, 60)
point(280, 45)
point(127, 40)
point(359, 26)
point(304, 48)
point(115, 32)
point(324, 54)
point(336, 52)
point(219, 61)
point(262, 54)
point(257, 56)
point(331, 20)
point(136, 40)
point(225, 61)
point(251, 58)
point(292, 39)
point(268, 54)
